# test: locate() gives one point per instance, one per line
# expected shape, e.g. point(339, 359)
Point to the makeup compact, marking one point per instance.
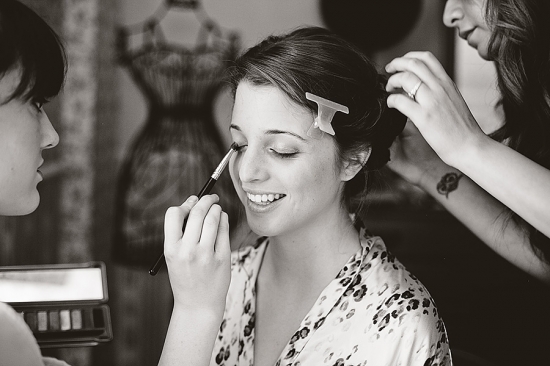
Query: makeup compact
point(64, 304)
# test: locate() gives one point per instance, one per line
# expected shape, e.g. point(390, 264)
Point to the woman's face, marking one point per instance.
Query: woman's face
point(468, 17)
point(25, 131)
point(285, 179)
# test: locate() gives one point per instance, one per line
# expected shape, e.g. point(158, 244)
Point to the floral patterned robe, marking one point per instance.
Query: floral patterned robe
point(373, 313)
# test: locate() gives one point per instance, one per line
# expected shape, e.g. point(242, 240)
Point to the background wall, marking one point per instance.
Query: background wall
point(476, 79)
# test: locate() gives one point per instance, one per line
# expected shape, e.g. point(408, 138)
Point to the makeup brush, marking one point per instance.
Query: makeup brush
point(205, 190)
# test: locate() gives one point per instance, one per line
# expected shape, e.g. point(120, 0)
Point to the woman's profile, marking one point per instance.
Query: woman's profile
point(32, 71)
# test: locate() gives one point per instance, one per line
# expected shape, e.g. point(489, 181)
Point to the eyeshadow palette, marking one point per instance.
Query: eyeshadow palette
point(64, 305)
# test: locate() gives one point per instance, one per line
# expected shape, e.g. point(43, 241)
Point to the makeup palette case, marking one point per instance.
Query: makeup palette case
point(65, 305)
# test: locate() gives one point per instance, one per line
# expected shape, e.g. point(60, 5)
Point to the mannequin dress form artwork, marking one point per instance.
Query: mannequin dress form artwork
point(179, 146)
point(171, 157)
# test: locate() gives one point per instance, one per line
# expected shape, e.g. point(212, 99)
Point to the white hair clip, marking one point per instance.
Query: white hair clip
point(325, 112)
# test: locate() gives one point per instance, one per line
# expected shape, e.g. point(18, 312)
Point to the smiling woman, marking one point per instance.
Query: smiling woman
point(316, 288)
point(277, 159)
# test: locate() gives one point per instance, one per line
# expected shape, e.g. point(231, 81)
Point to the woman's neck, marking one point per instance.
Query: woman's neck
point(312, 255)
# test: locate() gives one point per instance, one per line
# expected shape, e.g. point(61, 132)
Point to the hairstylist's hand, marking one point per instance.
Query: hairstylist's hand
point(438, 109)
point(411, 156)
point(199, 261)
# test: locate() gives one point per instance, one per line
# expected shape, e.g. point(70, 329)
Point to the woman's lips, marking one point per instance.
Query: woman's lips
point(467, 36)
point(265, 202)
point(265, 198)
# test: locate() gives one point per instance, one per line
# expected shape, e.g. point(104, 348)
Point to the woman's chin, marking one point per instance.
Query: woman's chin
point(260, 229)
point(21, 208)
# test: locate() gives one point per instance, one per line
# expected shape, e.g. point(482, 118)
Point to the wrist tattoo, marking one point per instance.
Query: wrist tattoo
point(448, 183)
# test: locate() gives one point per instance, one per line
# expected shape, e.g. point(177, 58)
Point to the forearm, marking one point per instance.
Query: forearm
point(517, 182)
point(190, 338)
point(486, 218)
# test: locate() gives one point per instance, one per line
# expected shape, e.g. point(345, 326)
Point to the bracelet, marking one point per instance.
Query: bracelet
point(448, 183)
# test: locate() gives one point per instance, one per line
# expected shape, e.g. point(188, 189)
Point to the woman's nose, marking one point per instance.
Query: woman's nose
point(251, 166)
point(50, 138)
point(453, 13)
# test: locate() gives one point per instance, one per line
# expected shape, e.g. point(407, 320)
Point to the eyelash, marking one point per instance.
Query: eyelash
point(278, 154)
point(283, 155)
point(238, 148)
point(39, 103)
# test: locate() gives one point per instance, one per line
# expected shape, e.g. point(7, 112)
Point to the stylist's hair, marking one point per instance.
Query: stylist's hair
point(520, 48)
point(29, 44)
point(315, 60)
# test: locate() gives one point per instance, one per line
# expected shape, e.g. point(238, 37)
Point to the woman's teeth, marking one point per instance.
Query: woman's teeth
point(264, 198)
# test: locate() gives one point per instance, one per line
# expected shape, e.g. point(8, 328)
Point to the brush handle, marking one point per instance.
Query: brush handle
point(204, 191)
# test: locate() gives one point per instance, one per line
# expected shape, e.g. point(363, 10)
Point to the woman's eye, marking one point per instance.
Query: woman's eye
point(239, 147)
point(284, 155)
point(39, 104)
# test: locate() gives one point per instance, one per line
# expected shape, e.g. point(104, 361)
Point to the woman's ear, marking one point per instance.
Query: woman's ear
point(353, 165)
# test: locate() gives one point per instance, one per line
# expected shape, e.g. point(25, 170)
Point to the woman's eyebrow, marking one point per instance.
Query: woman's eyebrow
point(280, 132)
point(274, 132)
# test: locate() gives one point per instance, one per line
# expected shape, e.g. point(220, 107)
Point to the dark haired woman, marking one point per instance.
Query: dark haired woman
point(311, 123)
point(498, 185)
point(32, 70)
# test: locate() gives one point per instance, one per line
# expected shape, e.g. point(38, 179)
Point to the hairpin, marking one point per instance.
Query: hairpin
point(325, 112)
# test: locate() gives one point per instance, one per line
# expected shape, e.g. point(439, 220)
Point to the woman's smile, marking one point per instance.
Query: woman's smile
point(261, 203)
point(264, 199)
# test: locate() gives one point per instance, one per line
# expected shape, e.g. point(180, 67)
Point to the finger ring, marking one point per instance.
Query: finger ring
point(412, 93)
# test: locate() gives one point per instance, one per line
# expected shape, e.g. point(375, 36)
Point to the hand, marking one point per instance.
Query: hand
point(438, 109)
point(199, 261)
point(411, 156)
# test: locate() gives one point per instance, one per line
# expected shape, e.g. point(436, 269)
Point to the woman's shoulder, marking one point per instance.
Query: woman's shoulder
point(383, 263)
point(400, 305)
point(17, 344)
point(395, 289)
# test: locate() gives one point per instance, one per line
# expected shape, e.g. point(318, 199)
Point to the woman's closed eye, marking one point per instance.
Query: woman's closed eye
point(279, 153)
point(284, 154)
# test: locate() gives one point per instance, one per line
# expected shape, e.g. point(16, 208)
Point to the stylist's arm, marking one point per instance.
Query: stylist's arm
point(490, 176)
point(199, 269)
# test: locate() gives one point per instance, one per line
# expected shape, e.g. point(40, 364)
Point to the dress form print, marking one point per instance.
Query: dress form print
point(179, 146)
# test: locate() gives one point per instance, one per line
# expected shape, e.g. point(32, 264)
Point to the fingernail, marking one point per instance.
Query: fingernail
point(192, 199)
